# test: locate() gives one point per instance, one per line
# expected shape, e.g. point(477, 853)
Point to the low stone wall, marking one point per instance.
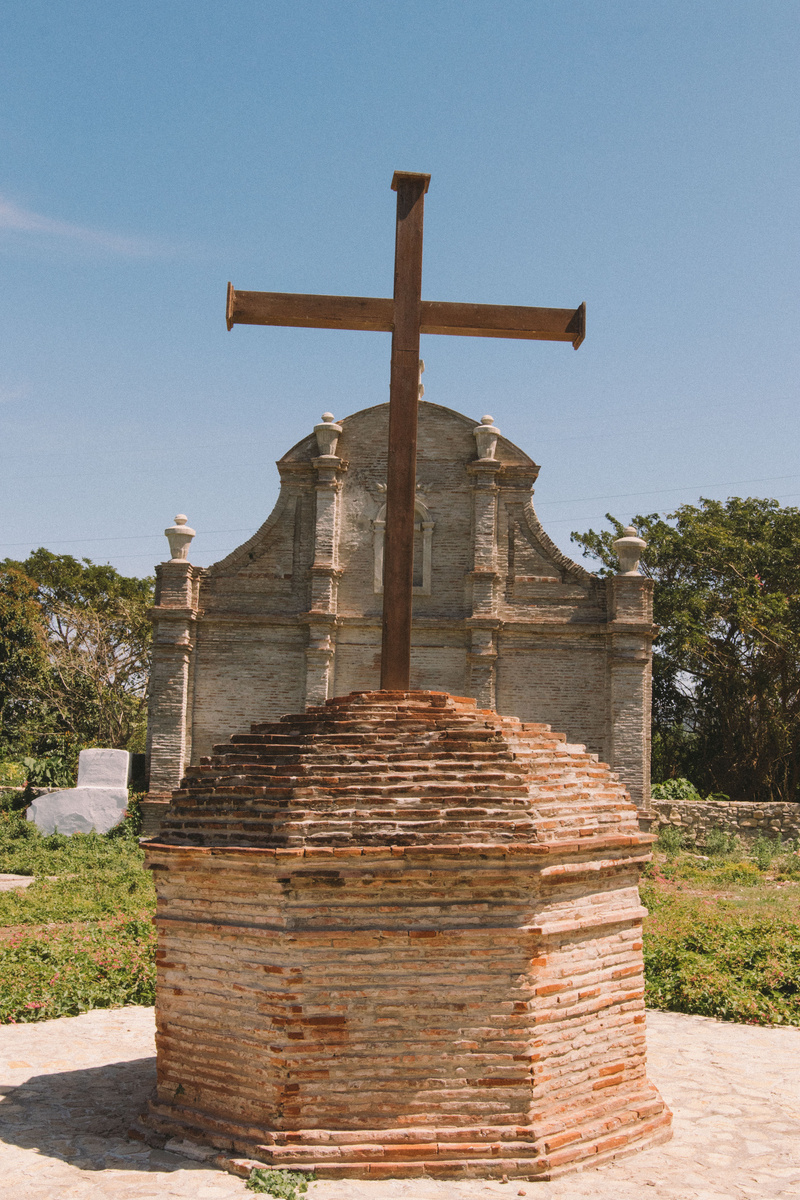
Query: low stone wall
point(696, 818)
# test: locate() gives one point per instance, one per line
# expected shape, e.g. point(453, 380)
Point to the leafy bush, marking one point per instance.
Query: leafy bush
point(131, 826)
point(670, 840)
point(72, 970)
point(13, 799)
point(675, 789)
point(718, 959)
point(719, 842)
point(284, 1185)
point(54, 771)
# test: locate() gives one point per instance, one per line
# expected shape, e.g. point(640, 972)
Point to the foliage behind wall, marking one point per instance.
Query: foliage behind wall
point(74, 656)
point(726, 667)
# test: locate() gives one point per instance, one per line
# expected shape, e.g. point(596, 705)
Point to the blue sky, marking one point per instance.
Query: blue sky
point(640, 156)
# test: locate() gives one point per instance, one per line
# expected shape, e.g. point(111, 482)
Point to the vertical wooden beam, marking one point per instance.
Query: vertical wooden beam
point(398, 562)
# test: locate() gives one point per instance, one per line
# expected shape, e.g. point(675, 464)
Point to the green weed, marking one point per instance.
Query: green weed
point(787, 865)
point(719, 842)
point(12, 774)
point(25, 851)
point(765, 849)
point(93, 904)
point(104, 964)
point(746, 874)
point(284, 1185)
point(90, 895)
point(670, 840)
point(731, 958)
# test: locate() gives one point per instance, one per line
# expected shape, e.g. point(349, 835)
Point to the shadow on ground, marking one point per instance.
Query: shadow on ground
point(83, 1117)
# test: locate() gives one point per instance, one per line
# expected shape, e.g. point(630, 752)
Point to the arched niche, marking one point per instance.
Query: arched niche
point(423, 526)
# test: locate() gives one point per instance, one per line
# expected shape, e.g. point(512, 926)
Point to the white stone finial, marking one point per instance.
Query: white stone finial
point(629, 550)
point(328, 433)
point(486, 435)
point(179, 537)
point(421, 373)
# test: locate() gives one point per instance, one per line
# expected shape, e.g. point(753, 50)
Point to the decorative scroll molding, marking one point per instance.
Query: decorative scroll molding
point(530, 526)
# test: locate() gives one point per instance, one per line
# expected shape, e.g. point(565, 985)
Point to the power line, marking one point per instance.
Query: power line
point(667, 491)
point(130, 537)
point(593, 516)
point(133, 537)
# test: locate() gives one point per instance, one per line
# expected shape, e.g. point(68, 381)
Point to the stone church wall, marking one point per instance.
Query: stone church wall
point(556, 680)
point(240, 668)
point(293, 616)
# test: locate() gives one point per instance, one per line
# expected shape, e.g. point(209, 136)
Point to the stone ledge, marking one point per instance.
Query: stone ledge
point(457, 1153)
point(454, 850)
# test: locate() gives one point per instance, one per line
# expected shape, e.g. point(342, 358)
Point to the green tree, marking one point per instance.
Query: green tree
point(22, 657)
point(726, 664)
point(93, 690)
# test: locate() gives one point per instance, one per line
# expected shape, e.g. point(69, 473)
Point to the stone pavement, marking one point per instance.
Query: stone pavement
point(70, 1088)
point(9, 883)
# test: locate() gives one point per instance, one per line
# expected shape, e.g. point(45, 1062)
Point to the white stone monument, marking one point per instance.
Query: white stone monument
point(98, 802)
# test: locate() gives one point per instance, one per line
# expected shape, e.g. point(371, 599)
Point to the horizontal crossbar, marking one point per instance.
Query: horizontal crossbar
point(504, 320)
point(376, 315)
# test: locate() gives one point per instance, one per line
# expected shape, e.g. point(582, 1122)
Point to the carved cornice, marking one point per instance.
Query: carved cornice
point(167, 612)
point(329, 470)
point(318, 617)
point(644, 629)
point(183, 649)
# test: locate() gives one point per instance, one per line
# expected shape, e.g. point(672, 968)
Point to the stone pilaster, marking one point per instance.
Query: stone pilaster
point(485, 576)
point(319, 657)
point(174, 617)
point(325, 570)
point(482, 653)
point(482, 659)
point(631, 633)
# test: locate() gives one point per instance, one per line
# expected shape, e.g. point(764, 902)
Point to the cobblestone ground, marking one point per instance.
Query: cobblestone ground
point(70, 1088)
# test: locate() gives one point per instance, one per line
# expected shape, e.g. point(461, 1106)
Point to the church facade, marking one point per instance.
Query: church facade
point(293, 616)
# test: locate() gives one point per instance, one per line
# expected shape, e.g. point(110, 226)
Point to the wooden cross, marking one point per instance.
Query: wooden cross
point(405, 316)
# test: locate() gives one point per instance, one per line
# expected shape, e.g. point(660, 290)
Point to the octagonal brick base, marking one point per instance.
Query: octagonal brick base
point(399, 936)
